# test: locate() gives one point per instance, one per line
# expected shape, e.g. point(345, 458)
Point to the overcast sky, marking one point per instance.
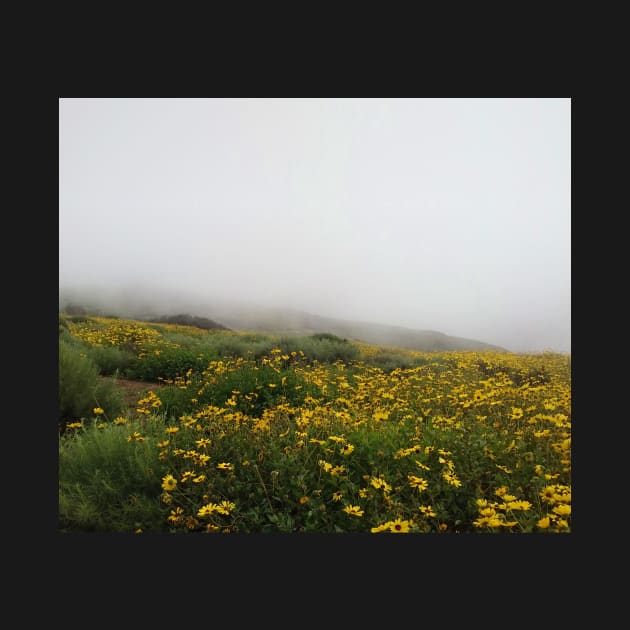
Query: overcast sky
point(445, 214)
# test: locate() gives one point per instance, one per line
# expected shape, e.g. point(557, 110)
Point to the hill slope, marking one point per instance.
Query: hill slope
point(244, 317)
point(292, 322)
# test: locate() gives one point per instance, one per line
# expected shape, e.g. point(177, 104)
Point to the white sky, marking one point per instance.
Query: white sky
point(444, 214)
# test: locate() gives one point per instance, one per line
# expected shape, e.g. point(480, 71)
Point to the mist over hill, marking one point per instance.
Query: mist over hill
point(151, 306)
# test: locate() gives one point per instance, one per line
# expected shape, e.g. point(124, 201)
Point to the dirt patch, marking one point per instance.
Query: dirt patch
point(132, 390)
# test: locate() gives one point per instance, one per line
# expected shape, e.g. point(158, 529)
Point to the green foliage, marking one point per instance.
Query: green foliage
point(184, 340)
point(323, 347)
point(389, 361)
point(63, 323)
point(110, 360)
point(69, 339)
point(253, 337)
point(190, 320)
point(107, 483)
point(328, 337)
point(78, 319)
point(235, 346)
point(168, 364)
point(218, 344)
point(258, 387)
point(295, 434)
point(533, 376)
point(80, 389)
point(175, 401)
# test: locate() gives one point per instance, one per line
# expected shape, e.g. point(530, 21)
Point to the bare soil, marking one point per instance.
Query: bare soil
point(133, 391)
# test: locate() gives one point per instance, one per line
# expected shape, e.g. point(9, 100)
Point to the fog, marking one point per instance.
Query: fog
point(450, 215)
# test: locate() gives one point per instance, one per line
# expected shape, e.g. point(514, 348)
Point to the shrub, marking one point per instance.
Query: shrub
point(110, 360)
point(270, 387)
point(108, 483)
point(80, 390)
point(235, 346)
point(323, 347)
point(78, 319)
point(67, 337)
point(184, 319)
point(169, 363)
point(328, 337)
point(63, 323)
point(389, 361)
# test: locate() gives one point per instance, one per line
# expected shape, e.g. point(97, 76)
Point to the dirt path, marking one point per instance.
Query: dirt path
point(132, 390)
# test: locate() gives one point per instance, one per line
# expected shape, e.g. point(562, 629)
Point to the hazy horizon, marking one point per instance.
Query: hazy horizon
point(451, 215)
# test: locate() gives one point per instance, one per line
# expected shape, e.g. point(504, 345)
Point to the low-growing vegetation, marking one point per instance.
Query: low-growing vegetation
point(244, 433)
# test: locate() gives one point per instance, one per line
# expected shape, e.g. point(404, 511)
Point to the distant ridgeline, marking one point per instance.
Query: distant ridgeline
point(188, 320)
point(274, 321)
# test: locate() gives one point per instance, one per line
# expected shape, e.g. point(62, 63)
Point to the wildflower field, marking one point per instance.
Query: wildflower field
point(242, 432)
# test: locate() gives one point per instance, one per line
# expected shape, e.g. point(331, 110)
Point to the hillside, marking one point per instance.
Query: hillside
point(183, 319)
point(292, 322)
point(248, 317)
